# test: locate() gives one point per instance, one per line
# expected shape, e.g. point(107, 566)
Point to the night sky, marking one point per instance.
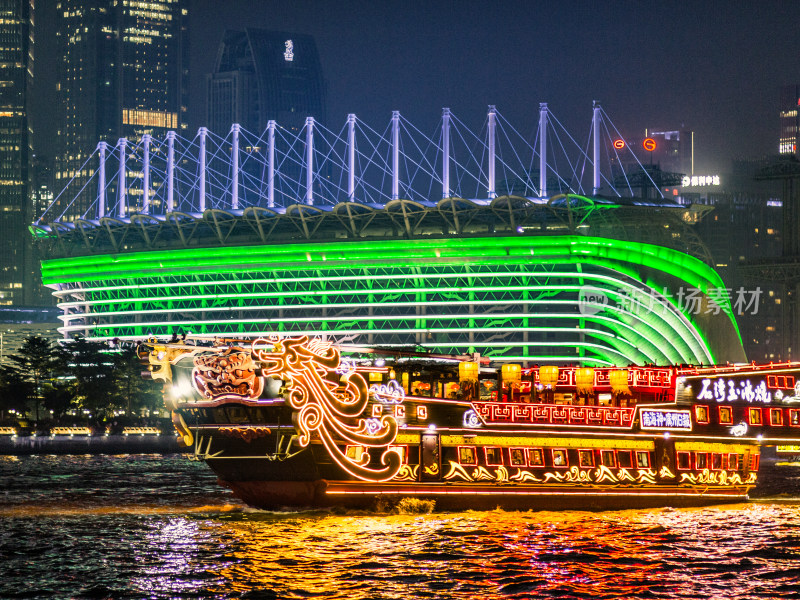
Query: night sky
point(714, 67)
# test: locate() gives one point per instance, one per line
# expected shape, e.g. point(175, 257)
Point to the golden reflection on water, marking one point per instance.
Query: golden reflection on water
point(661, 553)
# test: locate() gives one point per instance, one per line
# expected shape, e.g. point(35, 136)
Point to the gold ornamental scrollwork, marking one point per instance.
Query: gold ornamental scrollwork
point(332, 409)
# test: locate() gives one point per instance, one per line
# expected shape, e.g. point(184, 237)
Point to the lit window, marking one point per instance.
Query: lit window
point(494, 456)
point(517, 456)
point(700, 460)
point(716, 461)
point(559, 457)
point(585, 458)
point(467, 456)
point(535, 457)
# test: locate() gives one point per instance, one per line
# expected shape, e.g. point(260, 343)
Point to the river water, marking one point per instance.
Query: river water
point(160, 527)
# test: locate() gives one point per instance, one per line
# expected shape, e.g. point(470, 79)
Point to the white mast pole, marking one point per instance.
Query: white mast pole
point(146, 173)
point(101, 181)
point(271, 164)
point(543, 150)
point(491, 135)
point(170, 171)
point(235, 167)
point(445, 153)
point(203, 131)
point(351, 157)
point(395, 154)
point(596, 147)
point(121, 191)
point(309, 160)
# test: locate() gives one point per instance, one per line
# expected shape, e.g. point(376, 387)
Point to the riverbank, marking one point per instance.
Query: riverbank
point(89, 444)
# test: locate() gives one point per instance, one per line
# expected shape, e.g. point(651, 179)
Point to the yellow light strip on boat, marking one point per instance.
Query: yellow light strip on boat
point(707, 447)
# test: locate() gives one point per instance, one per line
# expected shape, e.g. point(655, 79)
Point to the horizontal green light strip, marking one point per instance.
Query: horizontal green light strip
point(402, 252)
point(420, 254)
point(698, 346)
point(686, 330)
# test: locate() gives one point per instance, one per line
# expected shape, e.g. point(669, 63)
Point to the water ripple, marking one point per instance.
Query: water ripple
point(159, 527)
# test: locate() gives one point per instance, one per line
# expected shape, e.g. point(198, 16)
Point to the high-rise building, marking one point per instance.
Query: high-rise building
point(123, 73)
point(790, 122)
point(16, 72)
point(262, 75)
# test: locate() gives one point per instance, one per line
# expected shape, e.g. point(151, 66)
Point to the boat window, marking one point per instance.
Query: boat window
point(754, 415)
point(356, 453)
point(700, 460)
point(402, 451)
point(535, 457)
point(794, 417)
point(625, 459)
point(608, 458)
point(219, 415)
point(775, 417)
point(559, 457)
point(716, 461)
point(467, 456)
point(643, 460)
point(237, 414)
point(701, 414)
point(754, 460)
point(494, 456)
point(684, 461)
point(585, 458)
point(725, 415)
point(517, 456)
point(733, 462)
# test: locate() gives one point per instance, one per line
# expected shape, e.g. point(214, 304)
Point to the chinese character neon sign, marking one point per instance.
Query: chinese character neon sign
point(727, 390)
point(666, 419)
point(288, 55)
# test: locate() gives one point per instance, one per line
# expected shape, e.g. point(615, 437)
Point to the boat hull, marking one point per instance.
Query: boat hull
point(277, 495)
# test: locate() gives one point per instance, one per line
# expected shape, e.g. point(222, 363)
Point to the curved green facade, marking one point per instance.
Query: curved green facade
point(523, 298)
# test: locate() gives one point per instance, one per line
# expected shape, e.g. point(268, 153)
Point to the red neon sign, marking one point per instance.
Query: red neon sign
point(649, 144)
point(619, 144)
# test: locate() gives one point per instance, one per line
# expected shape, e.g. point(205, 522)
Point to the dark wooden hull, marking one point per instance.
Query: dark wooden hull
point(276, 495)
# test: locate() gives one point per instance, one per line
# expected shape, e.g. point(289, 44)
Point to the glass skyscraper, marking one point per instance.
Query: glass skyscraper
point(262, 75)
point(123, 73)
point(16, 72)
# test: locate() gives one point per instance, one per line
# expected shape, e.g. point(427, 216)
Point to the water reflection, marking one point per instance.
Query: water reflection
point(160, 527)
point(733, 551)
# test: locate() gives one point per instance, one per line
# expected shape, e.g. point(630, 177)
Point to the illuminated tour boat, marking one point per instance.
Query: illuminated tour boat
point(299, 422)
point(526, 295)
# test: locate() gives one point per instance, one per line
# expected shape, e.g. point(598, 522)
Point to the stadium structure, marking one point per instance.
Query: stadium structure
point(460, 242)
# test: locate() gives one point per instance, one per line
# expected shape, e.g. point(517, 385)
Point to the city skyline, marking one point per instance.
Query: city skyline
point(715, 69)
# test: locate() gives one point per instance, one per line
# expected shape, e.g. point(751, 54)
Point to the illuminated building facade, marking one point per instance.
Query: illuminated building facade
point(123, 73)
point(549, 278)
point(790, 122)
point(16, 70)
point(546, 296)
point(262, 75)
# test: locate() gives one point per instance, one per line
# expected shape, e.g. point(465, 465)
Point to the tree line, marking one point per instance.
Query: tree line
point(80, 380)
